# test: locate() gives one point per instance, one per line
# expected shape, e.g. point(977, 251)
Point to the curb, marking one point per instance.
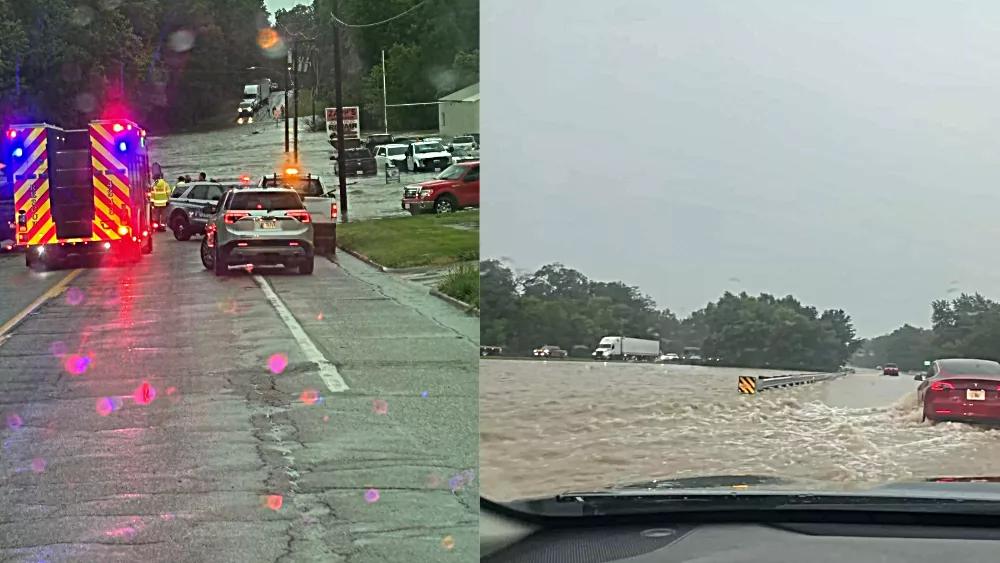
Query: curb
point(454, 302)
point(367, 260)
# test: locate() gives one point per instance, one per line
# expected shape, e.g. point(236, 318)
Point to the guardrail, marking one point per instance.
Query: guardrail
point(752, 385)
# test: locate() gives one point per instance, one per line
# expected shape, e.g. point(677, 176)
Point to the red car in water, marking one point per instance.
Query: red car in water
point(961, 390)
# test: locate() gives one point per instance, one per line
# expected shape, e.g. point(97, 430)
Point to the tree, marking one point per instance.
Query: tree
point(561, 306)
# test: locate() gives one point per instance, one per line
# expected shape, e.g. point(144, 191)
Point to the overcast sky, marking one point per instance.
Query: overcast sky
point(275, 5)
point(845, 152)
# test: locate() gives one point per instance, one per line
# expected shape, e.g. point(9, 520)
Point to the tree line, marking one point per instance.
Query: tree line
point(967, 326)
point(560, 306)
point(430, 52)
point(175, 63)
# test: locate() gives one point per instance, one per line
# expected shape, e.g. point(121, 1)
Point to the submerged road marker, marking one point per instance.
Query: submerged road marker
point(52, 292)
point(327, 371)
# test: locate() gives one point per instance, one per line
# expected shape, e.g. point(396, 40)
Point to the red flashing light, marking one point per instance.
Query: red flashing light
point(333, 211)
point(12, 133)
point(245, 179)
point(118, 128)
point(128, 127)
point(941, 386)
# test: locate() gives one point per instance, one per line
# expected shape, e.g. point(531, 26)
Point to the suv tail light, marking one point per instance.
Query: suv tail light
point(941, 386)
point(333, 211)
point(302, 216)
point(234, 216)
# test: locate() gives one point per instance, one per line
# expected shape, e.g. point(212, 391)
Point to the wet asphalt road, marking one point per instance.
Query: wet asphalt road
point(219, 458)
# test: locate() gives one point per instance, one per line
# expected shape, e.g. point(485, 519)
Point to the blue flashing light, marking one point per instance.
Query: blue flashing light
point(122, 146)
point(18, 152)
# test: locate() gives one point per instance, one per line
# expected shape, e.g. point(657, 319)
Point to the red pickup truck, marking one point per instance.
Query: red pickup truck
point(456, 187)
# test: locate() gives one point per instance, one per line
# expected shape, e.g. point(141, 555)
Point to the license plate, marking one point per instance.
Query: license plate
point(437, 168)
point(360, 172)
point(975, 394)
point(269, 224)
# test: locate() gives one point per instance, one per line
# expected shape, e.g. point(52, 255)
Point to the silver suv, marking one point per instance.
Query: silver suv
point(260, 227)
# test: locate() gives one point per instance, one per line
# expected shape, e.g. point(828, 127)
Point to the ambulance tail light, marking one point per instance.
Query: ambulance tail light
point(234, 216)
point(123, 230)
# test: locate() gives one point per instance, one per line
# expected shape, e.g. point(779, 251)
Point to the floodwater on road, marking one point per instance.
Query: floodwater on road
point(552, 427)
point(238, 150)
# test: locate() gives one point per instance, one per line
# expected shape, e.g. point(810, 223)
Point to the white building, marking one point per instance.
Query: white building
point(458, 113)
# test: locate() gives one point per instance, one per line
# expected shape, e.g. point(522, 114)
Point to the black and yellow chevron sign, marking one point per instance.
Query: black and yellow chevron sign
point(748, 385)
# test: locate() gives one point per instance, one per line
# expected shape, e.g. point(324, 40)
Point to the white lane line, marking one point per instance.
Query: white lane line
point(327, 371)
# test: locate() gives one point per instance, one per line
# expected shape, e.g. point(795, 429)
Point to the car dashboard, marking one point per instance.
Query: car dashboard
point(816, 538)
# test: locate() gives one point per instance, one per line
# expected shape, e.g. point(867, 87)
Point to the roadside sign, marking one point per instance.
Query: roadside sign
point(352, 122)
point(391, 173)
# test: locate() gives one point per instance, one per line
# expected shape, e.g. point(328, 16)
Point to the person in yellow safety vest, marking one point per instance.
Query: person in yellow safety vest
point(161, 193)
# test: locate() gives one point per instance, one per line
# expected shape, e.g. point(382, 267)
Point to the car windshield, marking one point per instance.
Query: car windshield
point(306, 187)
point(271, 201)
point(428, 147)
point(453, 172)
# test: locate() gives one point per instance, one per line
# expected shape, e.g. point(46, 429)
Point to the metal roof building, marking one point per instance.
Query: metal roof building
point(458, 112)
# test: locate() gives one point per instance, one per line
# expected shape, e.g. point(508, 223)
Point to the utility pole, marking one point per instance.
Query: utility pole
point(314, 60)
point(295, 128)
point(339, 102)
point(288, 83)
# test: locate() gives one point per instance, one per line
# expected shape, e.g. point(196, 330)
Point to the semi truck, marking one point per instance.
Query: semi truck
point(81, 192)
point(258, 93)
point(626, 349)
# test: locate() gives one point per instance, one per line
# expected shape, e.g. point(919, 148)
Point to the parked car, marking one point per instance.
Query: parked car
point(454, 188)
point(890, 369)
point(551, 352)
point(463, 142)
point(427, 156)
point(358, 162)
point(393, 152)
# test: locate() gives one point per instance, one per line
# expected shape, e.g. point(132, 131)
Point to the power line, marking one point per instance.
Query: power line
point(344, 24)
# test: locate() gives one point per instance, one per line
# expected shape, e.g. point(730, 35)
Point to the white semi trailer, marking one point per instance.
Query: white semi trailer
point(628, 349)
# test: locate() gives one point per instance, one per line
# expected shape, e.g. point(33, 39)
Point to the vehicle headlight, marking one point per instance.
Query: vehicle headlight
point(426, 193)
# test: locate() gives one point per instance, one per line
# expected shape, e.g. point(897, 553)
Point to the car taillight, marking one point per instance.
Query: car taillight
point(234, 216)
point(333, 210)
point(941, 386)
point(302, 216)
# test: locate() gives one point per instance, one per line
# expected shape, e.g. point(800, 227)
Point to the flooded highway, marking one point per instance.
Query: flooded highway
point(551, 427)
